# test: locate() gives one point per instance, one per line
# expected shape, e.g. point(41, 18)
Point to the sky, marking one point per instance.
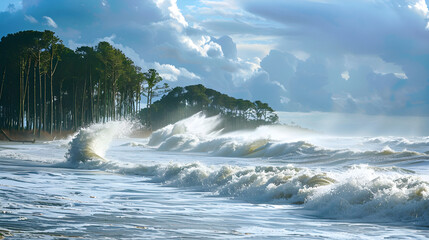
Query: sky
point(355, 56)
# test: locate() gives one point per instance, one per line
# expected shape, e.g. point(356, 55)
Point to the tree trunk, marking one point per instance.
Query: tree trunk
point(44, 103)
point(82, 119)
point(75, 109)
point(34, 99)
point(61, 106)
point(52, 106)
point(2, 82)
point(98, 100)
point(27, 115)
point(21, 91)
point(105, 103)
point(92, 95)
point(27, 93)
point(40, 96)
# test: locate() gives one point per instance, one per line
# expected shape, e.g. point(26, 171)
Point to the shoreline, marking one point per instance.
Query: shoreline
point(13, 135)
point(26, 136)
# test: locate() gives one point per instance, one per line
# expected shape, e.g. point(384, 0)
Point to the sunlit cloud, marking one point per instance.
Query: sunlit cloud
point(50, 22)
point(298, 55)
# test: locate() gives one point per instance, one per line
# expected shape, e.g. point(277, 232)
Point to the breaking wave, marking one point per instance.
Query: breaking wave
point(201, 134)
point(349, 191)
point(374, 194)
point(91, 143)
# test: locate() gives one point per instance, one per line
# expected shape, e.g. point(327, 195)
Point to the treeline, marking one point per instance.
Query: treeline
point(182, 102)
point(47, 86)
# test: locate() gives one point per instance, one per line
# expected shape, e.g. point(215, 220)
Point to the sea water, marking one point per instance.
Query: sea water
point(190, 180)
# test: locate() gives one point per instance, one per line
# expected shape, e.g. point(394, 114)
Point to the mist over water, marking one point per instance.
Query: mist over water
point(348, 124)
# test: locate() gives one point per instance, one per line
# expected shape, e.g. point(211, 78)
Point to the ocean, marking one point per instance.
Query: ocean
point(190, 180)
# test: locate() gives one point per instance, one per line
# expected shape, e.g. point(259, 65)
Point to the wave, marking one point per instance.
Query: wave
point(374, 194)
point(91, 143)
point(401, 142)
point(197, 125)
point(291, 144)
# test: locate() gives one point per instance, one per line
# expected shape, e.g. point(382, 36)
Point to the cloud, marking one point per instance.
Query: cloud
point(50, 22)
point(169, 7)
point(172, 74)
point(259, 85)
point(228, 47)
point(31, 19)
point(300, 55)
point(167, 71)
point(345, 75)
point(374, 41)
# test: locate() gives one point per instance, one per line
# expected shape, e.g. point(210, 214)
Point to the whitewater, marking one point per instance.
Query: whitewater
point(192, 180)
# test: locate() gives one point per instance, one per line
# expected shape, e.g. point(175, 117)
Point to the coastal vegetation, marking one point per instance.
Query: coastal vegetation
point(48, 87)
point(182, 102)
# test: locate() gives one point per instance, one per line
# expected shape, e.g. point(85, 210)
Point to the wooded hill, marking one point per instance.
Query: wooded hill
point(47, 86)
point(183, 102)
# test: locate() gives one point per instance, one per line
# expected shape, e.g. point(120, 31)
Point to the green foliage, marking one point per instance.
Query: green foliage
point(182, 102)
point(47, 86)
point(151, 89)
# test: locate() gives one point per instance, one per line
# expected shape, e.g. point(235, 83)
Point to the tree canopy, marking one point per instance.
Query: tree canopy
point(47, 86)
point(182, 102)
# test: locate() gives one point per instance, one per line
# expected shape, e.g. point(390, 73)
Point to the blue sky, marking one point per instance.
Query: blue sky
point(355, 56)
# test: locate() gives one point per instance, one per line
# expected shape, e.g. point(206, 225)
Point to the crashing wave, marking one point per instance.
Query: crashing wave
point(359, 191)
point(92, 142)
point(201, 134)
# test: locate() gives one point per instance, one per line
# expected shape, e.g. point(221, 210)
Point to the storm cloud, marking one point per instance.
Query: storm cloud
point(300, 55)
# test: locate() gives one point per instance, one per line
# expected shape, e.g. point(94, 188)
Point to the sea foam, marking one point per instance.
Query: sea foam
point(376, 194)
point(92, 142)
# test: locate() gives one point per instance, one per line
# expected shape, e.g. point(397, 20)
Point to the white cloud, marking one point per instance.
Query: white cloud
point(247, 51)
point(30, 19)
point(377, 64)
point(168, 72)
point(169, 8)
point(204, 46)
point(401, 75)
point(50, 22)
point(171, 73)
point(345, 75)
point(301, 55)
point(380, 46)
point(421, 6)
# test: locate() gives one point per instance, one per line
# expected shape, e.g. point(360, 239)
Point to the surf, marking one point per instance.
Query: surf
point(290, 144)
point(92, 142)
point(363, 184)
point(372, 194)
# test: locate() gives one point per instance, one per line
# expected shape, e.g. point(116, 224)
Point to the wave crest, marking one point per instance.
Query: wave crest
point(358, 191)
point(92, 142)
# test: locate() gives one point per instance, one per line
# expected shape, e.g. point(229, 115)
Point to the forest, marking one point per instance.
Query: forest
point(182, 102)
point(46, 86)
